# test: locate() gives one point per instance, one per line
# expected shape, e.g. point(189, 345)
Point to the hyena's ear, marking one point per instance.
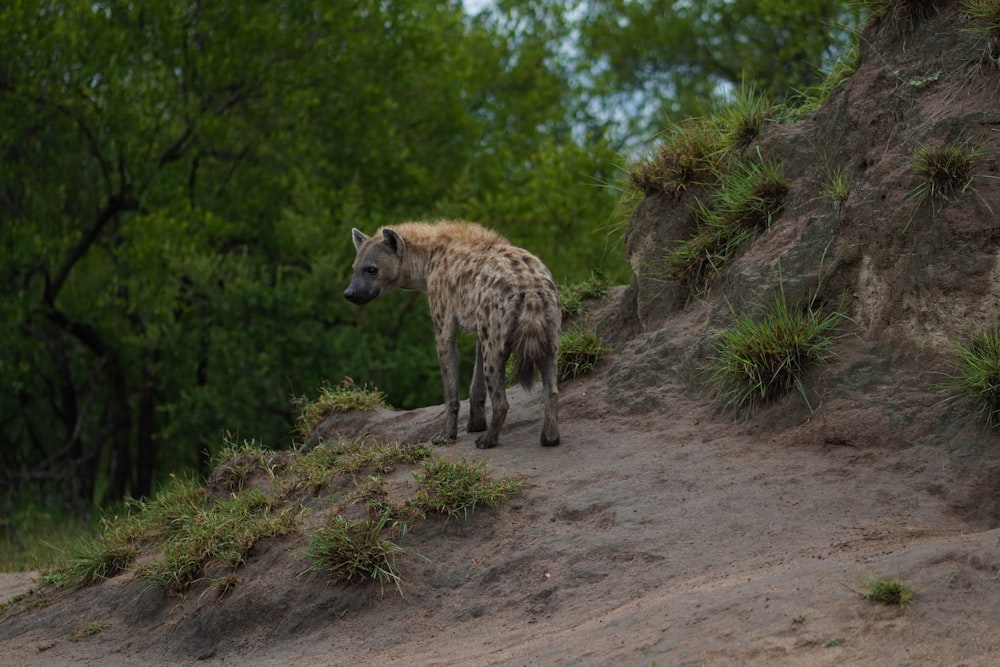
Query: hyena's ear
point(358, 237)
point(394, 241)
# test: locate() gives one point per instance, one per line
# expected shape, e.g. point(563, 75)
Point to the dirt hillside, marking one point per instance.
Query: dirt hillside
point(662, 531)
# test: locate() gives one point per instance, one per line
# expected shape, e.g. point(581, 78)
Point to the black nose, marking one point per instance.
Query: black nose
point(355, 297)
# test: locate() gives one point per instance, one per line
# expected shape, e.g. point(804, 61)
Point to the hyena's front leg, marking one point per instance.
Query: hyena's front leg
point(477, 395)
point(447, 353)
point(496, 362)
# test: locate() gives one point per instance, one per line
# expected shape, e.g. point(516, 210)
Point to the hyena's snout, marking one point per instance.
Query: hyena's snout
point(358, 293)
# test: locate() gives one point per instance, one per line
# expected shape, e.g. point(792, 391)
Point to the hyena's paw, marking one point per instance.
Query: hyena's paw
point(486, 442)
point(477, 424)
point(443, 439)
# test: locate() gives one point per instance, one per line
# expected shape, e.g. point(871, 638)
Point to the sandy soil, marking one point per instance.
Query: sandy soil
point(670, 537)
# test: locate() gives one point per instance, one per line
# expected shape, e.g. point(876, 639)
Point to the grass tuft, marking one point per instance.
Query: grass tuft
point(344, 397)
point(94, 560)
point(456, 488)
point(944, 171)
point(579, 351)
point(899, 11)
point(814, 97)
point(887, 591)
point(984, 16)
point(214, 536)
point(837, 185)
point(975, 376)
point(354, 550)
point(761, 359)
point(572, 297)
point(748, 198)
point(88, 630)
point(743, 118)
point(690, 153)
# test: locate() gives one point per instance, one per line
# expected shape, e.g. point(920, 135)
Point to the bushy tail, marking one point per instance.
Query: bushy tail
point(536, 338)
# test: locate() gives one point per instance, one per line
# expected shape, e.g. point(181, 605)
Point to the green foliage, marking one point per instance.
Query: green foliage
point(94, 561)
point(887, 591)
point(316, 467)
point(974, 379)
point(681, 57)
point(579, 351)
point(35, 536)
point(760, 359)
point(813, 97)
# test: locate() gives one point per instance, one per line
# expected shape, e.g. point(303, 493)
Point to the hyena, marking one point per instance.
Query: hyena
point(475, 280)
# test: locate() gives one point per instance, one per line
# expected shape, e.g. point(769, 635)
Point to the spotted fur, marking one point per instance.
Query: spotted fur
point(477, 281)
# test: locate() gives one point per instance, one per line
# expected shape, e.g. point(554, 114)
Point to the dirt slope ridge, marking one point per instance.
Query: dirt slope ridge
point(672, 537)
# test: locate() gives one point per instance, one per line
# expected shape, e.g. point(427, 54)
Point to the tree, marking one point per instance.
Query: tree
point(667, 60)
point(179, 183)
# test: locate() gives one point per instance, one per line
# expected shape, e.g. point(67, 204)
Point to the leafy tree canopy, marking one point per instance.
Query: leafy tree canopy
point(667, 60)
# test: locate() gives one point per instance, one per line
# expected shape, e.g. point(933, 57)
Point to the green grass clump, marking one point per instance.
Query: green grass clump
point(319, 465)
point(579, 351)
point(189, 532)
point(689, 153)
point(944, 171)
point(457, 488)
point(89, 630)
point(975, 376)
point(94, 560)
point(743, 118)
point(887, 591)
point(353, 550)
point(898, 11)
point(837, 185)
point(761, 359)
point(215, 537)
point(985, 18)
point(571, 297)
point(345, 397)
point(748, 198)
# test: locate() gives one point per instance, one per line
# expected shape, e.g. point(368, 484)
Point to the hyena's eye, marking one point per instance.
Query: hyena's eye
point(371, 271)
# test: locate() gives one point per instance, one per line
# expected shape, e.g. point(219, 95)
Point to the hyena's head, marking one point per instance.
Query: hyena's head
point(376, 268)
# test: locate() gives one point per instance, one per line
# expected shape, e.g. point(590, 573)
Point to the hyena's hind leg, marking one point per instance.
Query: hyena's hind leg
point(496, 363)
point(477, 395)
point(550, 394)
